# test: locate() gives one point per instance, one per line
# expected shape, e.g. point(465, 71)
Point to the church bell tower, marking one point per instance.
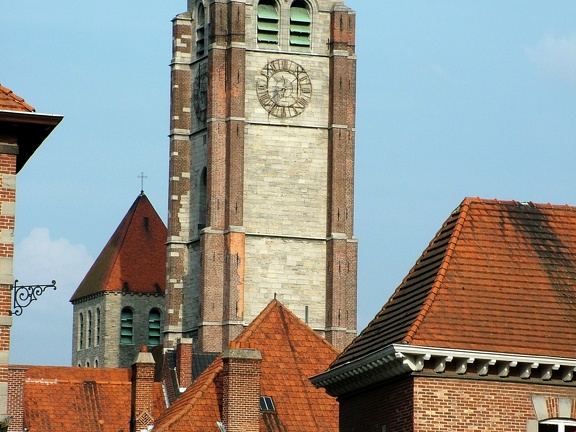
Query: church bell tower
point(261, 168)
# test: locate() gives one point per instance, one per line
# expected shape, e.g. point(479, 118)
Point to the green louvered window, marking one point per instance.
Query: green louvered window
point(126, 326)
point(154, 334)
point(268, 22)
point(201, 32)
point(300, 24)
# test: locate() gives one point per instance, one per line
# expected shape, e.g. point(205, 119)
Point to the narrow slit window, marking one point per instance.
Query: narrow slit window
point(154, 331)
point(81, 332)
point(268, 22)
point(201, 32)
point(89, 329)
point(98, 326)
point(126, 326)
point(300, 24)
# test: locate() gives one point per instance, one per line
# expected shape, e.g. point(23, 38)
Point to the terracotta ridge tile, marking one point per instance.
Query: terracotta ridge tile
point(463, 209)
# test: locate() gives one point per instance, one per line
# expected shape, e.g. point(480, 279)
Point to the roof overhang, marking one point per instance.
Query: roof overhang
point(396, 360)
point(29, 128)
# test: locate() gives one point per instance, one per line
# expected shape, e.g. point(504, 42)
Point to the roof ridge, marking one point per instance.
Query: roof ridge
point(427, 305)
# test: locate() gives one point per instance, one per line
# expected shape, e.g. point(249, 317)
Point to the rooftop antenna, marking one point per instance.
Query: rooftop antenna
point(142, 177)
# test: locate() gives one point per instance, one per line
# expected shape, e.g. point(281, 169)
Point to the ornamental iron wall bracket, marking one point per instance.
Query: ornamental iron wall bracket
point(26, 294)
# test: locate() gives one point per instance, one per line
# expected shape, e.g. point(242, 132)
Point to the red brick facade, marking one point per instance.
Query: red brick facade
point(430, 404)
point(143, 391)
point(241, 390)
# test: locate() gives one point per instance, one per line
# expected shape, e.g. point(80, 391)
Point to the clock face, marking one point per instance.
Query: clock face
point(200, 92)
point(284, 88)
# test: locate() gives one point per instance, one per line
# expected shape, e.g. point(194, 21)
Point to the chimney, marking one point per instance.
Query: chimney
point(184, 354)
point(241, 388)
point(142, 391)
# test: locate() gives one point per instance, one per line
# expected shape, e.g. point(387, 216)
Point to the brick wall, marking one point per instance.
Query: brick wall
point(430, 404)
point(7, 216)
point(369, 410)
point(142, 391)
point(16, 396)
point(241, 390)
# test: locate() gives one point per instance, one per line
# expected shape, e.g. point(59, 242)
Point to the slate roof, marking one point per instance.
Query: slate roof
point(80, 399)
point(134, 259)
point(291, 352)
point(499, 276)
point(12, 102)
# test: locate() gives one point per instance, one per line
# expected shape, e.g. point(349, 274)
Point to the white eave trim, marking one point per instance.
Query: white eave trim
point(397, 359)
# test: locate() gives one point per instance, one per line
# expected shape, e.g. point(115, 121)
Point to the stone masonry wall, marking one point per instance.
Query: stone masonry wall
point(108, 352)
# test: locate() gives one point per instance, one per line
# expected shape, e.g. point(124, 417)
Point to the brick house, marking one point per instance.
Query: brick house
point(22, 131)
point(480, 335)
point(119, 305)
point(260, 383)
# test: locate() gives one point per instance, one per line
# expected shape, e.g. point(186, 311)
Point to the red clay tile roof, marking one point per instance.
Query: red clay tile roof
point(12, 102)
point(498, 276)
point(80, 399)
point(134, 259)
point(291, 352)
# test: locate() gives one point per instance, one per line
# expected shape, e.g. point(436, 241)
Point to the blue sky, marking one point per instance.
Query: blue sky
point(455, 99)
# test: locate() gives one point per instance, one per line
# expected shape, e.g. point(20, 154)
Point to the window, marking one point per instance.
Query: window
point(268, 20)
point(300, 24)
point(96, 363)
point(97, 326)
point(201, 31)
point(126, 326)
point(557, 425)
point(89, 329)
point(267, 404)
point(202, 204)
point(154, 334)
point(81, 332)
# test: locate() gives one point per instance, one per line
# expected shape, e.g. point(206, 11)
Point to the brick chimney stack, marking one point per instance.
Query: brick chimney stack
point(142, 390)
point(184, 353)
point(241, 389)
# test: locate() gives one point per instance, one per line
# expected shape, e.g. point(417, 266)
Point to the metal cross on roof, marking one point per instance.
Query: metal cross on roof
point(142, 177)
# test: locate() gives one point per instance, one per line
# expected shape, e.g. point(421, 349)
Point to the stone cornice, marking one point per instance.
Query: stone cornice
point(396, 360)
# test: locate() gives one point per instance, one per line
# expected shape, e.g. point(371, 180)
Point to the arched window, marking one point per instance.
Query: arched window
point(154, 333)
point(201, 31)
point(97, 326)
point(81, 331)
point(96, 363)
point(268, 20)
point(126, 326)
point(87, 363)
point(557, 425)
point(89, 329)
point(300, 24)
point(202, 204)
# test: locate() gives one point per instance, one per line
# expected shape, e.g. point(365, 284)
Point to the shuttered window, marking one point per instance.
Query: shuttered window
point(268, 22)
point(300, 24)
point(201, 32)
point(154, 331)
point(126, 326)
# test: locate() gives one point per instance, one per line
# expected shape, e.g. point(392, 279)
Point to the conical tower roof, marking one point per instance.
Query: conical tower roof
point(134, 259)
